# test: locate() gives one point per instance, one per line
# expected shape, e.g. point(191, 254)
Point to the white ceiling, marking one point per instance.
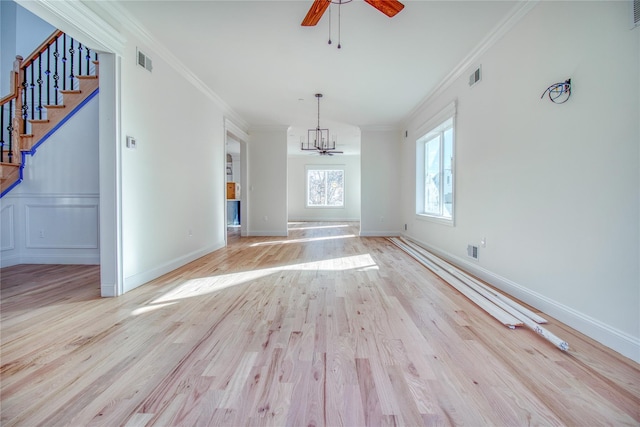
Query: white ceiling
point(258, 58)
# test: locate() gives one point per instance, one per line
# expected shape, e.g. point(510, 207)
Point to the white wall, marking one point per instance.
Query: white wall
point(296, 179)
point(173, 183)
point(168, 195)
point(7, 43)
point(21, 33)
point(51, 217)
point(31, 31)
point(552, 188)
point(267, 183)
point(380, 162)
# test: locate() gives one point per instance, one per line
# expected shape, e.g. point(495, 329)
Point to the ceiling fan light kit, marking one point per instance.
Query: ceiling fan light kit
point(318, 138)
point(319, 7)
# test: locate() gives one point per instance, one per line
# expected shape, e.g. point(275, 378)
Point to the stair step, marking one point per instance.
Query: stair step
point(8, 169)
point(36, 121)
point(70, 91)
point(53, 106)
point(86, 77)
point(9, 175)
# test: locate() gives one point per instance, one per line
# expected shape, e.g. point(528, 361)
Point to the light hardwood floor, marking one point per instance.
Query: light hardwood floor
point(321, 328)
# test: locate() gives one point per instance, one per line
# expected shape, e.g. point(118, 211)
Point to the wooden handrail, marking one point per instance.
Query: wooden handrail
point(15, 82)
point(42, 48)
point(34, 86)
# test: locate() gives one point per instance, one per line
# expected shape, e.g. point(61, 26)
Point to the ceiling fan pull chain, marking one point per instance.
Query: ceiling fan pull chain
point(329, 26)
point(339, 22)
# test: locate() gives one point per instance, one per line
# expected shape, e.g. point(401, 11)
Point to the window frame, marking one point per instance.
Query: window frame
point(325, 168)
point(432, 128)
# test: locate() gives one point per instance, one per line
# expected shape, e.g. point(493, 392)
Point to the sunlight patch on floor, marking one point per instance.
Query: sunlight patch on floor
point(305, 240)
point(152, 307)
point(207, 285)
point(316, 227)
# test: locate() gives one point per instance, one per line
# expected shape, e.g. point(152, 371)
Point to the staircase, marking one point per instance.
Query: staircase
point(48, 88)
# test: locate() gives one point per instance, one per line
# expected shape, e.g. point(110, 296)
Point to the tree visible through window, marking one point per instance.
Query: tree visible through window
point(325, 188)
point(438, 185)
point(435, 168)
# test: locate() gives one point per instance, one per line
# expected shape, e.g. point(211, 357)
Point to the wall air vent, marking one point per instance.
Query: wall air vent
point(476, 76)
point(472, 251)
point(635, 13)
point(144, 61)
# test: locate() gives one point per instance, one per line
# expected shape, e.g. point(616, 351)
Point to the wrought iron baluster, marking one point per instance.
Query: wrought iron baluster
point(88, 58)
point(10, 132)
point(71, 76)
point(2, 132)
point(40, 81)
point(32, 85)
point(64, 62)
point(47, 73)
point(79, 59)
point(25, 105)
point(56, 76)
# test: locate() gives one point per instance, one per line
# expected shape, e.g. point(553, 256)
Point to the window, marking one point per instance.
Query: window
point(325, 187)
point(435, 160)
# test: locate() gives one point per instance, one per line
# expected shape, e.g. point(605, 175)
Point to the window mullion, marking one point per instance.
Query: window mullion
point(326, 188)
point(441, 171)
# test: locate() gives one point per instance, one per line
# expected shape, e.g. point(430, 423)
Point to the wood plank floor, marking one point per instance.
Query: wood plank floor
point(321, 328)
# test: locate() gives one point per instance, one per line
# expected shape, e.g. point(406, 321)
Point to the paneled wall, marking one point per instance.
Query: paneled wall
point(52, 216)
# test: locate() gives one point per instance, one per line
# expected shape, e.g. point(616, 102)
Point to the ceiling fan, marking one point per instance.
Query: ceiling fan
point(388, 7)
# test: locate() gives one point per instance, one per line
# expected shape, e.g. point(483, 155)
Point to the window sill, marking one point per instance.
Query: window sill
point(435, 219)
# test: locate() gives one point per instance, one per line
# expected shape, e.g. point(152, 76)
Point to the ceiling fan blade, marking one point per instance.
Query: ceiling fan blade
point(388, 7)
point(315, 12)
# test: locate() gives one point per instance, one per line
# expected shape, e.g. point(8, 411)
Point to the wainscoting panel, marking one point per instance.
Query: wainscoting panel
point(7, 236)
point(61, 226)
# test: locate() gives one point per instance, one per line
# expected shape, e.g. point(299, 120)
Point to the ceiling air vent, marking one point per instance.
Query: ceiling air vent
point(476, 76)
point(635, 13)
point(144, 61)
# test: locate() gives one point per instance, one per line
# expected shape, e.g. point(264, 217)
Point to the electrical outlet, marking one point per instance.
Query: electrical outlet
point(42, 234)
point(483, 242)
point(266, 218)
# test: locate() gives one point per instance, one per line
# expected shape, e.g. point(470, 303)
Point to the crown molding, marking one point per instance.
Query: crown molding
point(380, 128)
point(139, 31)
point(268, 128)
point(80, 22)
point(521, 9)
point(231, 127)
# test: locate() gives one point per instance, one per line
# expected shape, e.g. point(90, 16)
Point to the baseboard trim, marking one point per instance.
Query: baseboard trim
point(51, 259)
point(9, 261)
point(267, 234)
point(379, 233)
point(621, 342)
point(140, 279)
point(108, 290)
point(323, 219)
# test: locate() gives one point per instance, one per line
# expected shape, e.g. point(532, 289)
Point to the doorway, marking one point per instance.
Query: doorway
point(235, 178)
point(233, 183)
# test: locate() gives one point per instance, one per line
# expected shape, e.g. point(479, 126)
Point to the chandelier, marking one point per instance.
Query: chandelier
point(318, 138)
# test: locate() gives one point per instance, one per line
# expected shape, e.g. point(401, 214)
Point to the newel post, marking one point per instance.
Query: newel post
point(18, 120)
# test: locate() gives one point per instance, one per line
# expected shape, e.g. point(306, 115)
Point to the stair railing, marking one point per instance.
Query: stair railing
point(38, 81)
point(8, 122)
